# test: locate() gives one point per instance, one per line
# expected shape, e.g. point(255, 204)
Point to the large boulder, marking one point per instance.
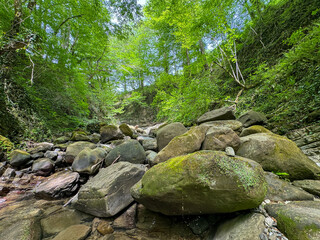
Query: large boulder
point(58, 185)
point(225, 113)
point(297, 220)
point(204, 182)
point(167, 133)
point(220, 138)
point(129, 151)
point(281, 190)
point(75, 148)
point(188, 142)
point(110, 132)
point(233, 124)
point(253, 118)
point(311, 186)
point(88, 160)
point(108, 192)
point(278, 154)
point(19, 158)
point(42, 166)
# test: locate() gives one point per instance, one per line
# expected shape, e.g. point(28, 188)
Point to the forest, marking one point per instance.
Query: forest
point(68, 64)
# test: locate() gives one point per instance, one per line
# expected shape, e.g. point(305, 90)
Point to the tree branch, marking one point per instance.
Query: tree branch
point(66, 20)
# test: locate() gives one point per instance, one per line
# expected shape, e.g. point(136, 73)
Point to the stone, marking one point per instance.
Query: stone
point(243, 227)
point(51, 154)
point(126, 130)
point(43, 166)
point(199, 225)
point(110, 132)
point(187, 143)
point(89, 160)
point(129, 151)
point(254, 129)
point(150, 144)
point(9, 173)
point(19, 157)
point(41, 147)
point(4, 190)
point(151, 157)
point(37, 155)
point(23, 229)
point(126, 220)
point(61, 140)
point(204, 182)
point(74, 232)
point(278, 154)
point(281, 190)
point(220, 138)
point(95, 137)
point(233, 124)
point(168, 132)
point(3, 167)
point(230, 151)
point(108, 192)
point(80, 135)
point(311, 186)
point(225, 113)
point(75, 148)
point(253, 118)
point(297, 220)
point(58, 185)
point(104, 228)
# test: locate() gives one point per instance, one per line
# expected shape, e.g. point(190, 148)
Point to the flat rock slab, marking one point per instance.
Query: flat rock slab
point(75, 232)
point(225, 113)
point(60, 184)
point(297, 220)
point(108, 192)
point(311, 186)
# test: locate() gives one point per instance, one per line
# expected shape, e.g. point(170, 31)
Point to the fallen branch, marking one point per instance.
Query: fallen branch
point(115, 160)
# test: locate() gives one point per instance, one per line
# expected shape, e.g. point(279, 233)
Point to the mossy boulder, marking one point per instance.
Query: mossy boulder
point(61, 140)
point(188, 142)
point(129, 151)
point(253, 118)
point(225, 113)
point(6, 146)
point(79, 135)
point(126, 130)
point(75, 148)
point(88, 160)
point(19, 158)
point(204, 182)
point(110, 132)
point(278, 154)
point(166, 133)
point(220, 138)
point(297, 220)
point(254, 129)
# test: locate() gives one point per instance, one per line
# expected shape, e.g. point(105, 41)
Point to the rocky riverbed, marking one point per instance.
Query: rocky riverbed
point(225, 178)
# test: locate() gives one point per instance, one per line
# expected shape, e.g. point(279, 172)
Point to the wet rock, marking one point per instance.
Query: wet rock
point(42, 166)
point(60, 184)
point(278, 154)
point(88, 160)
point(127, 220)
point(280, 190)
point(233, 124)
point(204, 182)
point(110, 132)
point(225, 113)
point(108, 192)
point(220, 138)
point(167, 133)
point(19, 158)
point(253, 118)
point(254, 129)
point(129, 151)
point(75, 148)
point(187, 143)
point(311, 186)
point(75, 232)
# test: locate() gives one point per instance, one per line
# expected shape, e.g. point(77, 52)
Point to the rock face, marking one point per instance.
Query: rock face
point(278, 154)
point(168, 132)
point(129, 151)
point(311, 186)
point(297, 220)
point(19, 158)
point(187, 143)
point(110, 132)
point(280, 190)
point(87, 161)
point(220, 138)
point(204, 182)
point(43, 166)
point(60, 184)
point(254, 129)
point(75, 148)
point(248, 226)
point(108, 192)
point(225, 113)
point(253, 118)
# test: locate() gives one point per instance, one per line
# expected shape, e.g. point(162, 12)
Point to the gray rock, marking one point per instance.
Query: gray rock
point(60, 184)
point(151, 157)
point(167, 133)
point(42, 166)
point(89, 160)
point(150, 144)
point(37, 155)
point(9, 173)
point(51, 155)
point(108, 192)
point(3, 167)
point(311, 186)
point(75, 148)
point(253, 118)
point(41, 147)
point(280, 190)
point(19, 158)
point(233, 124)
point(225, 113)
point(110, 132)
point(95, 137)
point(230, 151)
point(126, 220)
point(220, 138)
point(129, 151)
